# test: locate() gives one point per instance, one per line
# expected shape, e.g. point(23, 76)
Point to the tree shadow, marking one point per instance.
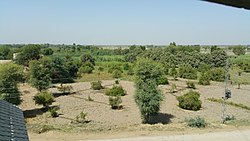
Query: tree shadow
point(37, 111)
point(161, 118)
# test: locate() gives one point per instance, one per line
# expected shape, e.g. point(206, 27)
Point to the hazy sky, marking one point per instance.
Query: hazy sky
point(126, 22)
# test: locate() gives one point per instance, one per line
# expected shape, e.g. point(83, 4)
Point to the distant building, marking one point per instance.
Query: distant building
point(12, 124)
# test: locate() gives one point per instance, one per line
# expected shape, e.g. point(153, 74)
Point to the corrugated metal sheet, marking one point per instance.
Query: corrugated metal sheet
point(12, 124)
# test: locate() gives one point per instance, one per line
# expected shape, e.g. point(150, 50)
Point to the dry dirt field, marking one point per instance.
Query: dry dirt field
point(105, 122)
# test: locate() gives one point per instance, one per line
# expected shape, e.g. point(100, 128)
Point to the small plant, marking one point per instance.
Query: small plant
point(90, 99)
point(53, 112)
point(190, 101)
point(173, 88)
point(117, 74)
point(162, 81)
point(100, 69)
point(117, 82)
point(204, 79)
point(115, 101)
point(81, 118)
point(116, 91)
point(196, 122)
point(86, 69)
point(96, 85)
point(229, 118)
point(190, 84)
point(65, 89)
point(44, 98)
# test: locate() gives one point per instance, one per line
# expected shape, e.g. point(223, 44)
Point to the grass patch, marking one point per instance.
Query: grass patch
point(239, 105)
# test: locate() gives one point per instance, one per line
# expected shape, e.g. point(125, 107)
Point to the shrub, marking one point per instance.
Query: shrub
point(190, 101)
point(162, 81)
point(126, 66)
point(96, 85)
point(81, 118)
point(90, 99)
point(204, 79)
point(86, 69)
point(173, 73)
point(173, 88)
point(117, 82)
point(114, 67)
point(217, 74)
point(65, 89)
point(196, 122)
point(190, 84)
point(116, 91)
point(188, 72)
point(115, 101)
point(44, 98)
point(53, 112)
point(116, 74)
point(130, 71)
point(100, 69)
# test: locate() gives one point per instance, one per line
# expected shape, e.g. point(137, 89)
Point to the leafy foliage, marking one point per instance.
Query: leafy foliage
point(116, 91)
point(190, 84)
point(187, 71)
point(10, 75)
point(190, 101)
point(87, 58)
point(96, 85)
point(239, 50)
point(147, 96)
point(44, 98)
point(196, 122)
point(116, 74)
point(39, 75)
point(217, 74)
point(28, 53)
point(115, 101)
point(162, 81)
point(204, 79)
point(53, 112)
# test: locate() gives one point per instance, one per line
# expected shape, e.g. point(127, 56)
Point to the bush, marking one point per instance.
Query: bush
point(196, 122)
point(81, 118)
point(117, 82)
point(44, 98)
point(188, 72)
point(190, 101)
point(126, 66)
point(130, 71)
point(116, 74)
point(115, 102)
point(96, 85)
point(173, 88)
point(86, 69)
point(162, 81)
point(65, 89)
point(190, 84)
point(53, 112)
point(114, 67)
point(217, 74)
point(100, 69)
point(116, 91)
point(204, 79)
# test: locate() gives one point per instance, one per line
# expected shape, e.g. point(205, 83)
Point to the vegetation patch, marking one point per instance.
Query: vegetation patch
point(190, 101)
point(115, 102)
point(96, 85)
point(239, 105)
point(116, 91)
point(196, 122)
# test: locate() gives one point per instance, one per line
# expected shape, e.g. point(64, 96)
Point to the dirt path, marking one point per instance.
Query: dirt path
point(239, 135)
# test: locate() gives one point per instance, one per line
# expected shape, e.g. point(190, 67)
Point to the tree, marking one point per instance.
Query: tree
point(148, 97)
point(44, 98)
point(239, 50)
point(39, 75)
point(4, 52)
point(87, 58)
point(29, 52)
point(47, 51)
point(10, 75)
point(173, 73)
point(187, 71)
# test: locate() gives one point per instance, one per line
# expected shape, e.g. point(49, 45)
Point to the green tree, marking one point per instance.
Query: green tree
point(87, 58)
point(148, 97)
point(10, 75)
point(44, 98)
point(39, 75)
point(239, 50)
point(29, 52)
point(187, 71)
point(4, 52)
point(47, 51)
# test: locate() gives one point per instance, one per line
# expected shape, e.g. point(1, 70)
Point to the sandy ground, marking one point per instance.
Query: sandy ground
point(127, 120)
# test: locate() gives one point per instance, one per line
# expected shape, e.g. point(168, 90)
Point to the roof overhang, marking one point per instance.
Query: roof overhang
point(235, 3)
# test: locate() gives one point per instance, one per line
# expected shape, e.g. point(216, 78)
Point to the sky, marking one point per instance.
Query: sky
point(122, 22)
